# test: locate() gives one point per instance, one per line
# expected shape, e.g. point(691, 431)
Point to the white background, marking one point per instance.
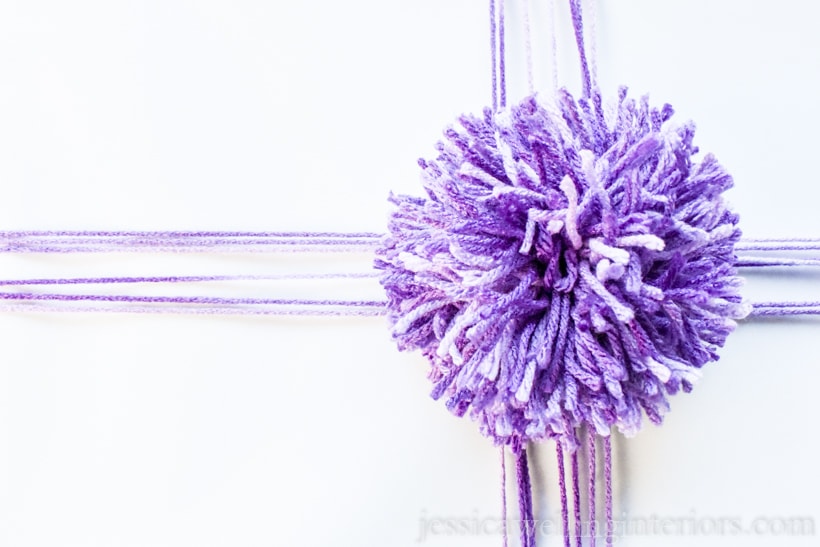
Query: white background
point(124, 430)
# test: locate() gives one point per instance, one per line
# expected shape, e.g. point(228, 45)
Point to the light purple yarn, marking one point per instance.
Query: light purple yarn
point(566, 267)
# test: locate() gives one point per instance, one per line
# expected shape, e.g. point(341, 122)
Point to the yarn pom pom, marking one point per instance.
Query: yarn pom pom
point(565, 267)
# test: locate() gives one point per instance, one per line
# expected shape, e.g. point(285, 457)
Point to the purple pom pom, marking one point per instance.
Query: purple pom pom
point(566, 267)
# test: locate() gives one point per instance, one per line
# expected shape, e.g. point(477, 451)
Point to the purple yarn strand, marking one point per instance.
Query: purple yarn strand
point(493, 55)
point(184, 234)
point(785, 308)
point(743, 246)
point(77, 245)
point(591, 483)
point(502, 63)
point(788, 304)
point(578, 26)
point(184, 304)
point(184, 242)
point(186, 300)
point(524, 496)
point(200, 310)
point(576, 500)
point(66, 241)
point(562, 486)
point(373, 307)
point(779, 240)
point(109, 241)
point(608, 489)
point(528, 46)
point(783, 311)
point(179, 279)
point(124, 248)
point(502, 451)
point(758, 262)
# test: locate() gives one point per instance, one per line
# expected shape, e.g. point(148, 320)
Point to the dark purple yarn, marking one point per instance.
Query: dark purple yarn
point(564, 267)
point(525, 512)
point(576, 499)
point(562, 487)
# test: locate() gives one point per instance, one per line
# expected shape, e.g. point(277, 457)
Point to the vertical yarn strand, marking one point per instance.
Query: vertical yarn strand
point(591, 39)
point(608, 487)
point(498, 62)
point(503, 496)
point(562, 487)
point(502, 63)
point(576, 501)
point(578, 26)
point(591, 456)
point(550, 6)
point(528, 46)
point(524, 495)
point(493, 56)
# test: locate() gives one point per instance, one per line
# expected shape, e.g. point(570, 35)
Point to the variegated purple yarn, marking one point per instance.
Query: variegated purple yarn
point(566, 267)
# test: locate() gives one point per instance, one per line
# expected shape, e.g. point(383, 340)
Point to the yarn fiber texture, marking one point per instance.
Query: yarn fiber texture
point(566, 266)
